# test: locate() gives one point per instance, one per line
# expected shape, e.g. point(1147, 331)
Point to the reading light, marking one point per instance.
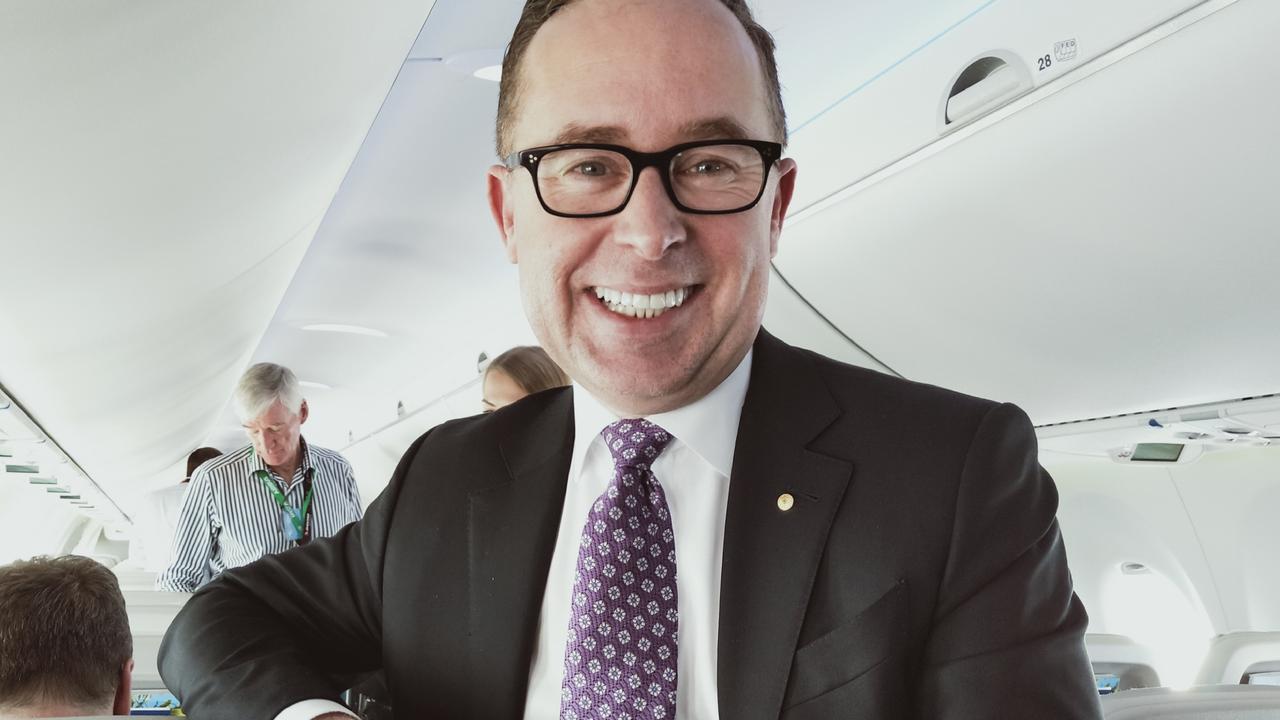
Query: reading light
point(348, 329)
point(492, 73)
point(483, 63)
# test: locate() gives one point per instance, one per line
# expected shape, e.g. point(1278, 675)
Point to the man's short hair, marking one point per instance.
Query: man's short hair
point(263, 384)
point(64, 633)
point(537, 12)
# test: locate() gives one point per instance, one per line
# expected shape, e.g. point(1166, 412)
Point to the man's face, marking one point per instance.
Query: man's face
point(647, 76)
point(275, 433)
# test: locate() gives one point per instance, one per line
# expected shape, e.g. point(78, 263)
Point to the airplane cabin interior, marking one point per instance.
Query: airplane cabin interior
point(1066, 206)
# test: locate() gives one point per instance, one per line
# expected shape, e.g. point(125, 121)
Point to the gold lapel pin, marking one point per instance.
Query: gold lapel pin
point(786, 502)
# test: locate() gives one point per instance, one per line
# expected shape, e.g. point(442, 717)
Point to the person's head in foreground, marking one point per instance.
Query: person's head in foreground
point(65, 646)
point(522, 370)
point(269, 403)
point(642, 192)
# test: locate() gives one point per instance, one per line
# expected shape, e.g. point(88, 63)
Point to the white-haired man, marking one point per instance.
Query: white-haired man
point(273, 494)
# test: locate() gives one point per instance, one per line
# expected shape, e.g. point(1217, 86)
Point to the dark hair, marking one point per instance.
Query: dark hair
point(198, 457)
point(530, 367)
point(64, 633)
point(537, 12)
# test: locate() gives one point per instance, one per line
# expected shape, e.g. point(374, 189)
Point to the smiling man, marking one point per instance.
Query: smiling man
point(710, 524)
point(276, 493)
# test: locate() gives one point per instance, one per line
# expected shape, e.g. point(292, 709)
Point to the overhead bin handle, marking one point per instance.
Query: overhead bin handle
point(988, 83)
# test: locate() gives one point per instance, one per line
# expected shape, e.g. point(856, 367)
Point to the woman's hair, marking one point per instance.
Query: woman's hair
point(198, 457)
point(530, 367)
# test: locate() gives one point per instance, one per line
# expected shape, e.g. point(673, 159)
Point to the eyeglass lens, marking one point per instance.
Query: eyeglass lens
point(713, 178)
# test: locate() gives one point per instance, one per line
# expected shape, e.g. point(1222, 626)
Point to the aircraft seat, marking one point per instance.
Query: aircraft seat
point(1206, 702)
point(132, 577)
point(1233, 656)
point(1119, 655)
point(150, 613)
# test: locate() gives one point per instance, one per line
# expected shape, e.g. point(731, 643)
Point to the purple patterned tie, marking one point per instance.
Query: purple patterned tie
point(620, 659)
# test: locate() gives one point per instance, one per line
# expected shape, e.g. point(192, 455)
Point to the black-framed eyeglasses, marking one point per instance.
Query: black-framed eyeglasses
point(708, 177)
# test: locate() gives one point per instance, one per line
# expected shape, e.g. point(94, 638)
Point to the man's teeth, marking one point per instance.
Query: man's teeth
point(640, 305)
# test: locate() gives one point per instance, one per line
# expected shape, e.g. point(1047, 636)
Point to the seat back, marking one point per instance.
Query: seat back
point(150, 613)
point(1207, 702)
point(1132, 664)
point(1234, 655)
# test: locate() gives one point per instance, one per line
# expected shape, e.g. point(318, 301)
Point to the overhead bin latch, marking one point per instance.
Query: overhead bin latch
point(986, 84)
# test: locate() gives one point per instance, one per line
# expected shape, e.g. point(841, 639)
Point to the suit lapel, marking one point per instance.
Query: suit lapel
point(511, 538)
point(771, 556)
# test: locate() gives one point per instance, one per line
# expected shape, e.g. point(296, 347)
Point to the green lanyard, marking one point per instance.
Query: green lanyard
point(300, 519)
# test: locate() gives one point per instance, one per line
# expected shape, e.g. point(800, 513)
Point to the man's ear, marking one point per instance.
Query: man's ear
point(124, 690)
point(500, 206)
point(781, 201)
point(303, 412)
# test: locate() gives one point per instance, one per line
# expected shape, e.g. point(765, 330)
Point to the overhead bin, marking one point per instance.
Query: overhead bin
point(1107, 248)
point(998, 54)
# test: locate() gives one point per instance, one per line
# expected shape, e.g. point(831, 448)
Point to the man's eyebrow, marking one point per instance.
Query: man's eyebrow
point(722, 127)
point(574, 133)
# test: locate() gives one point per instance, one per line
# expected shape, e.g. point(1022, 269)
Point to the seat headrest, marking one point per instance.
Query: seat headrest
point(1210, 702)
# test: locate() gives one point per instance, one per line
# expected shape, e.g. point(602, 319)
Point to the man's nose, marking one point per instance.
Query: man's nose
point(650, 224)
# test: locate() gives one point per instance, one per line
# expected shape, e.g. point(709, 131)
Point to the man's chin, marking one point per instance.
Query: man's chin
point(641, 388)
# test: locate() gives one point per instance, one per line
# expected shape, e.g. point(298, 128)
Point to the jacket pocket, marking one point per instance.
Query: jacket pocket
point(855, 647)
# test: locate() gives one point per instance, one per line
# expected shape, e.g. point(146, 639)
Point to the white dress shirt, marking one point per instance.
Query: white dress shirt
point(694, 471)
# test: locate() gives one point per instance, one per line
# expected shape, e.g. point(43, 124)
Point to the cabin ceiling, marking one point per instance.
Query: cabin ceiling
point(186, 187)
point(165, 166)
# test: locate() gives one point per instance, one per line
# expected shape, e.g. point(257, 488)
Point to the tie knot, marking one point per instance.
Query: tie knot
point(635, 442)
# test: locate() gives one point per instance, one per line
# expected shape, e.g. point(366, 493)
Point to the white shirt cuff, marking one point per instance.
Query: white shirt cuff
point(310, 709)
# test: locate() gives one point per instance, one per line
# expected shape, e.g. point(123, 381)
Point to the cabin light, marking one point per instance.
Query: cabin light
point(314, 385)
point(347, 329)
point(484, 63)
point(1134, 568)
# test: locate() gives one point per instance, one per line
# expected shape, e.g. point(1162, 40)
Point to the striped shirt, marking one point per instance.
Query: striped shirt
point(229, 519)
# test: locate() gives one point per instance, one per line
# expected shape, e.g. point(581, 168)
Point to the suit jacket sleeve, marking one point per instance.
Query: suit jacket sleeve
point(289, 627)
point(1008, 631)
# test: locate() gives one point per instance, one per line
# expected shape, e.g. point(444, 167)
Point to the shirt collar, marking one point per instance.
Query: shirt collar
point(709, 425)
point(303, 465)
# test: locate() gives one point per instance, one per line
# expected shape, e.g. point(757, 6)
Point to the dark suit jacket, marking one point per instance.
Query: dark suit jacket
point(920, 574)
